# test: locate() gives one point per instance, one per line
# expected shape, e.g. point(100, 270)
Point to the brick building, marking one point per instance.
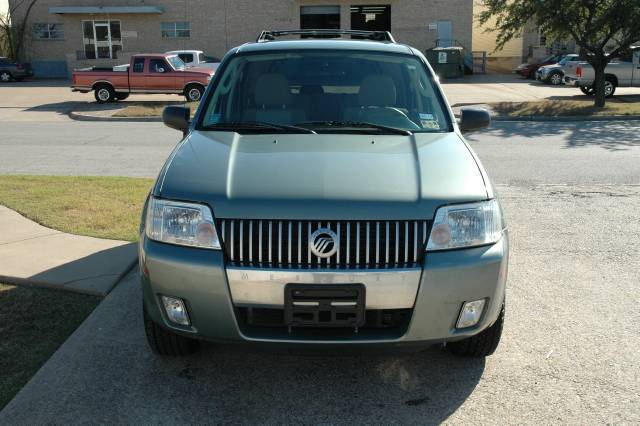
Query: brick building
point(66, 34)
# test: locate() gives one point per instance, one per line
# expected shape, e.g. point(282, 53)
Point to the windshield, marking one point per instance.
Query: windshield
point(327, 91)
point(176, 62)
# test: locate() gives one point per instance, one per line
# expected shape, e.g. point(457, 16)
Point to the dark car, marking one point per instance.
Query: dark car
point(529, 70)
point(13, 71)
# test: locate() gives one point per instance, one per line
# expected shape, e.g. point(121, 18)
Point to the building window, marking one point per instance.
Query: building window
point(175, 29)
point(320, 17)
point(371, 18)
point(102, 39)
point(48, 31)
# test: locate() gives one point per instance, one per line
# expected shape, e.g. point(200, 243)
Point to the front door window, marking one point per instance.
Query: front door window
point(102, 39)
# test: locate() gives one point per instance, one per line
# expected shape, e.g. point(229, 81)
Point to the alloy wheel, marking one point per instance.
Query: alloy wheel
point(5, 76)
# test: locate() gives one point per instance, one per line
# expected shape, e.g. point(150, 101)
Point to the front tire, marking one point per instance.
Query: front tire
point(166, 343)
point(555, 79)
point(104, 93)
point(5, 76)
point(121, 96)
point(482, 344)
point(193, 92)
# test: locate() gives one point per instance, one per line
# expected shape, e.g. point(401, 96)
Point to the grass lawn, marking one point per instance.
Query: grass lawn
point(104, 207)
point(566, 108)
point(150, 109)
point(34, 322)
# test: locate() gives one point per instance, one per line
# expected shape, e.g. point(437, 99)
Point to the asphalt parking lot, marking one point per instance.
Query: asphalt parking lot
point(570, 350)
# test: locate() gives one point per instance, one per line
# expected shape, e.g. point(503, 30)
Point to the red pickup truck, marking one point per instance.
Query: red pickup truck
point(149, 73)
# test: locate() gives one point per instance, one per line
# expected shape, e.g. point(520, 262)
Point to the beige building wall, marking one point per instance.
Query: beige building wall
point(218, 25)
point(484, 40)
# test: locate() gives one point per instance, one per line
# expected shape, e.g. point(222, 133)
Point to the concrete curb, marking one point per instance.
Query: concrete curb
point(82, 117)
point(572, 118)
point(27, 282)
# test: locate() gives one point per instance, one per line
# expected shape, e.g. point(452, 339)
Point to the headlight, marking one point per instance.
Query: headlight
point(184, 224)
point(466, 225)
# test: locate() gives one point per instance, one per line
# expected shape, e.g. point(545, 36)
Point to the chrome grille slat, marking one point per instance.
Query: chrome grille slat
point(270, 241)
point(280, 241)
point(373, 244)
point(289, 244)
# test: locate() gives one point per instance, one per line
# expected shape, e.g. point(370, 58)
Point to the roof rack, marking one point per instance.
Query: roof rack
point(385, 36)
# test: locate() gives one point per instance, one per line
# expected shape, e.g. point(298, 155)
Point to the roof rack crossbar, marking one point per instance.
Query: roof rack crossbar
point(267, 35)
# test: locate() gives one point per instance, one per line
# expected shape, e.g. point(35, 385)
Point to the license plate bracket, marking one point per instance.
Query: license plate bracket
point(326, 305)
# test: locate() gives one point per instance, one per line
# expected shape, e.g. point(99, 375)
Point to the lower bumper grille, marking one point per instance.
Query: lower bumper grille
point(348, 244)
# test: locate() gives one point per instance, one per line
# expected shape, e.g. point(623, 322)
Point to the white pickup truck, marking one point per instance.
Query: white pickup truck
point(196, 58)
point(617, 74)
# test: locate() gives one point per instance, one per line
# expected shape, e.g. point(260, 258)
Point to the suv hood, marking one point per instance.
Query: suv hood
point(323, 176)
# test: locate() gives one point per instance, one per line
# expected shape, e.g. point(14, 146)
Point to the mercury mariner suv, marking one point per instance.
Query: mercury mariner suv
point(323, 195)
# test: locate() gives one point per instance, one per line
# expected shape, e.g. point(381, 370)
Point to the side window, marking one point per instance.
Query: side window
point(186, 57)
point(138, 65)
point(158, 65)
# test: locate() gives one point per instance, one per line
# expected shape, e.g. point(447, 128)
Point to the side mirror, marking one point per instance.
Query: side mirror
point(474, 119)
point(177, 117)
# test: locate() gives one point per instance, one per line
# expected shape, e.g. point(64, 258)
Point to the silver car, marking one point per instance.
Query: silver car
point(324, 195)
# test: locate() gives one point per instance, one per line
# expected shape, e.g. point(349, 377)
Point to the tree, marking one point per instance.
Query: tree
point(13, 25)
point(602, 29)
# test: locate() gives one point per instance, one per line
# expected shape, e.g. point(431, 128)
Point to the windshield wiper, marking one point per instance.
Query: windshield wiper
point(357, 124)
point(257, 126)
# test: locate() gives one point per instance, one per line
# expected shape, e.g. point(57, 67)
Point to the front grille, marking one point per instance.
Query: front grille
point(285, 243)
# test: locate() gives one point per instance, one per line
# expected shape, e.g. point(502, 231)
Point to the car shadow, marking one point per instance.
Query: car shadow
point(66, 107)
point(609, 135)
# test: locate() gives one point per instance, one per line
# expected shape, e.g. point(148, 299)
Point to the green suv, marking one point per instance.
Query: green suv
point(323, 195)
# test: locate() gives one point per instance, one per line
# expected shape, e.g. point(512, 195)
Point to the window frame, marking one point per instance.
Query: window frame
point(48, 31)
point(172, 28)
point(111, 41)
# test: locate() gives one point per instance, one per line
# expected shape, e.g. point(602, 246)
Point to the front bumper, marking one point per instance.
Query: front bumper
point(570, 81)
point(446, 280)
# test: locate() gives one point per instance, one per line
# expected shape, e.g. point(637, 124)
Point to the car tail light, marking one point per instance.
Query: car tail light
point(579, 71)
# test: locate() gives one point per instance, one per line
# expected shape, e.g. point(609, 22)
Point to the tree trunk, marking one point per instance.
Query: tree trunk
point(20, 30)
point(598, 83)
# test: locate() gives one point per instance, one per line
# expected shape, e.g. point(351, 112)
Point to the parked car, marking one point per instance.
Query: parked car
point(324, 195)
point(196, 58)
point(554, 73)
point(150, 73)
point(528, 70)
point(10, 70)
point(618, 73)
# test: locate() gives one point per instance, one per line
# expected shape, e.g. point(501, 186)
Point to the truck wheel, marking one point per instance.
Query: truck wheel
point(164, 342)
point(121, 96)
point(555, 79)
point(104, 93)
point(587, 90)
point(609, 88)
point(193, 92)
point(5, 76)
point(483, 344)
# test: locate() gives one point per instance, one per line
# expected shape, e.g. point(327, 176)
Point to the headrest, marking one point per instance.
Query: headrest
point(377, 90)
point(272, 89)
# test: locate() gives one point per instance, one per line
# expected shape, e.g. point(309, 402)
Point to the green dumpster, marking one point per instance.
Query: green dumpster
point(447, 62)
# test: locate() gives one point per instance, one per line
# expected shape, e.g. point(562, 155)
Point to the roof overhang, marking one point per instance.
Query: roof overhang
point(95, 10)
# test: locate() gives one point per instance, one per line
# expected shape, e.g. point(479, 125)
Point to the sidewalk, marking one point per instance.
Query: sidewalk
point(35, 255)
